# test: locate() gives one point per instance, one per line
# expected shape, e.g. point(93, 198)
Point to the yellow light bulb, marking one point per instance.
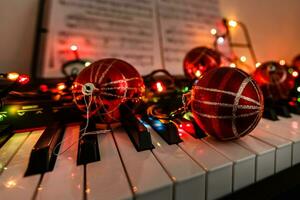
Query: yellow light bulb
point(12, 110)
point(12, 76)
point(232, 23)
point(213, 31)
point(232, 65)
point(61, 86)
point(295, 74)
point(159, 86)
point(257, 64)
point(87, 63)
point(282, 62)
point(74, 47)
point(198, 73)
point(243, 58)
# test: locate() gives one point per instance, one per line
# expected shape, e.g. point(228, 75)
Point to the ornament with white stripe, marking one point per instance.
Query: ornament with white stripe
point(104, 85)
point(226, 103)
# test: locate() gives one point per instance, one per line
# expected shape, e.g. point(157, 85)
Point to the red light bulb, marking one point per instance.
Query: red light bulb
point(23, 79)
point(44, 88)
point(74, 49)
point(187, 127)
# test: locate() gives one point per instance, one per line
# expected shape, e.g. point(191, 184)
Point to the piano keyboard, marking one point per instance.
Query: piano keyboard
point(192, 169)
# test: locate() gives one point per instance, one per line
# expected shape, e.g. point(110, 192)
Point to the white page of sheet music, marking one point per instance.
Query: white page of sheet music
point(149, 34)
point(185, 24)
point(123, 29)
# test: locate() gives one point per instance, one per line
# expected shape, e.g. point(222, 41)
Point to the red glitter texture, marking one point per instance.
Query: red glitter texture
point(115, 82)
point(226, 103)
point(274, 80)
point(199, 60)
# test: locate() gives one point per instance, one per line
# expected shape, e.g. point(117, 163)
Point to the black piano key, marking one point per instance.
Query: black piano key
point(5, 133)
point(199, 132)
point(295, 109)
point(282, 109)
point(166, 129)
point(270, 114)
point(269, 110)
point(42, 157)
point(68, 113)
point(88, 150)
point(136, 129)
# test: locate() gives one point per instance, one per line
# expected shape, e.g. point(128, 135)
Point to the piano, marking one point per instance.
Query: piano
point(259, 165)
point(55, 162)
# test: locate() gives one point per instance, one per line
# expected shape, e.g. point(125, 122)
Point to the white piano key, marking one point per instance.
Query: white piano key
point(294, 125)
point(218, 168)
point(66, 179)
point(286, 129)
point(265, 156)
point(148, 179)
point(13, 184)
point(283, 152)
point(8, 150)
point(188, 176)
point(243, 161)
point(294, 116)
point(106, 179)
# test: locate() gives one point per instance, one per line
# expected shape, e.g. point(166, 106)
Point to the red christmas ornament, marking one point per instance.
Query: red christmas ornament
point(199, 60)
point(296, 62)
point(104, 85)
point(274, 79)
point(226, 103)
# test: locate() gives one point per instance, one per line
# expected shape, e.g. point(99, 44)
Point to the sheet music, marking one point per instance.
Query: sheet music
point(185, 24)
point(122, 29)
point(141, 32)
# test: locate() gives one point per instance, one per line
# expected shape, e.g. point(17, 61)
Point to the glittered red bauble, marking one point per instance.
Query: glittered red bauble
point(296, 62)
point(199, 60)
point(274, 79)
point(226, 103)
point(104, 85)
